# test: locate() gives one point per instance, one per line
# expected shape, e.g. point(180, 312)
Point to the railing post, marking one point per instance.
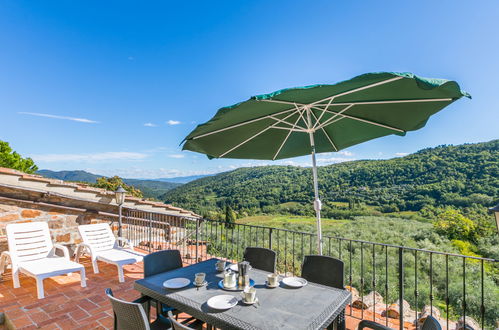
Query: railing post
point(270, 238)
point(197, 239)
point(150, 232)
point(401, 288)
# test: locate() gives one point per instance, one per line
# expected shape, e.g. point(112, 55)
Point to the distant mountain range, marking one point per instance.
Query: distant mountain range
point(79, 176)
point(183, 179)
point(150, 188)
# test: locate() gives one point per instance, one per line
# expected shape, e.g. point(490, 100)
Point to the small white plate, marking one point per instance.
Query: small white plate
point(249, 303)
point(223, 301)
point(200, 285)
point(271, 286)
point(176, 283)
point(234, 268)
point(294, 282)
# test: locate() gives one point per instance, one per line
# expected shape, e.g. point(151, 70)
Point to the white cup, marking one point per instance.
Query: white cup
point(199, 279)
point(249, 294)
point(273, 279)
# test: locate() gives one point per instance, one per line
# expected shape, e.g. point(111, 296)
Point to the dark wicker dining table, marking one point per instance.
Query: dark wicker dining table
point(313, 306)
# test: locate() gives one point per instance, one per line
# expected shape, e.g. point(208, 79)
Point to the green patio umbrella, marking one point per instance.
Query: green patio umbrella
point(322, 118)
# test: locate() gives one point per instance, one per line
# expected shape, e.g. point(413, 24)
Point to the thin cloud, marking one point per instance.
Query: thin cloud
point(173, 122)
point(178, 156)
point(150, 125)
point(143, 173)
point(401, 154)
point(96, 157)
point(80, 120)
point(345, 153)
point(333, 160)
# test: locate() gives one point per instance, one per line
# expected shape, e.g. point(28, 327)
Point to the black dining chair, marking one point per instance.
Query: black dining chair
point(132, 316)
point(327, 271)
point(430, 323)
point(176, 325)
point(160, 262)
point(261, 258)
point(323, 270)
point(372, 325)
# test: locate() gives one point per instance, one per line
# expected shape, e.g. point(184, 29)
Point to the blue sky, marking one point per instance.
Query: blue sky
point(113, 86)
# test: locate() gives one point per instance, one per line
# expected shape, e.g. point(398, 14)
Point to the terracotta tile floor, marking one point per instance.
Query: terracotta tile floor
point(69, 306)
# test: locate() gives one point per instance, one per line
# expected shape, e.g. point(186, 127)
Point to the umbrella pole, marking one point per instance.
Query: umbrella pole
point(317, 201)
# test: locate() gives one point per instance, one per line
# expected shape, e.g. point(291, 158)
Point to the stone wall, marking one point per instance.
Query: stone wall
point(63, 222)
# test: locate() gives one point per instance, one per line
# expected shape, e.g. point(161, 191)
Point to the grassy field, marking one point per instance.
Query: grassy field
point(390, 230)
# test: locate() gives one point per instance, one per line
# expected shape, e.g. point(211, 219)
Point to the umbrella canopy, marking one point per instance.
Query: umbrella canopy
point(322, 118)
point(369, 106)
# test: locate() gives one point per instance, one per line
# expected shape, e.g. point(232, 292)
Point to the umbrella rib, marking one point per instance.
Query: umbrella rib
point(390, 102)
point(366, 121)
point(326, 133)
point(287, 136)
point(241, 124)
point(340, 94)
point(254, 136)
point(329, 120)
point(363, 102)
point(288, 123)
point(322, 113)
point(290, 129)
point(360, 89)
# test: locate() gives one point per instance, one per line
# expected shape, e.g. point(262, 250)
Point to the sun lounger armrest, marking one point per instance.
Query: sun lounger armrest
point(125, 242)
point(5, 259)
point(64, 250)
point(79, 250)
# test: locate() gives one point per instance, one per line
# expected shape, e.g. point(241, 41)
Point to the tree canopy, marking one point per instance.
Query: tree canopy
point(11, 159)
point(113, 183)
point(463, 176)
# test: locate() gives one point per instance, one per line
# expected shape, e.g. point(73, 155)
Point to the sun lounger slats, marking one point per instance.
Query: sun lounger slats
point(99, 242)
point(32, 252)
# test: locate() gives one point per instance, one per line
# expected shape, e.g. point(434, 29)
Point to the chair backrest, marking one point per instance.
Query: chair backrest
point(371, 325)
point(261, 258)
point(161, 261)
point(431, 323)
point(323, 270)
point(29, 241)
point(176, 324)
point(128, 315)
point(99, 236)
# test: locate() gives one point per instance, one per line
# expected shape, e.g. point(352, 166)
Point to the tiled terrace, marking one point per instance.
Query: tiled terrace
point(69, 306)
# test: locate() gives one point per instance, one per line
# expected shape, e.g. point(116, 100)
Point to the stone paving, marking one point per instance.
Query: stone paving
point(69, 306)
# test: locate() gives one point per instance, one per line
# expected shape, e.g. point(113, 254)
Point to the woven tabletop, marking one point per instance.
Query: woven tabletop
point(311, 307)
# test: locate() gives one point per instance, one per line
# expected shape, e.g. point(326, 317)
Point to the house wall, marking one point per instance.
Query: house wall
point(62, 222)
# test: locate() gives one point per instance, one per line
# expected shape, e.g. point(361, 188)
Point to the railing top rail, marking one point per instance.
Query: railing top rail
point(132, 213)
point(362, 241)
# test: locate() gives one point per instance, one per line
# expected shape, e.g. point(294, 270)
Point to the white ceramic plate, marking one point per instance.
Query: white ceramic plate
point(176, 283)
point(294, 282)
point(234, 267)
point(223, 301)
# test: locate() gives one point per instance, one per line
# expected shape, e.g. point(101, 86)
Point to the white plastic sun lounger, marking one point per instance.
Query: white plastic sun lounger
point(100, 243)
point(32, 252)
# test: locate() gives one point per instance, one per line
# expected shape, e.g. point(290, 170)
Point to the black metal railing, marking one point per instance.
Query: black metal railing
point(459, 286)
